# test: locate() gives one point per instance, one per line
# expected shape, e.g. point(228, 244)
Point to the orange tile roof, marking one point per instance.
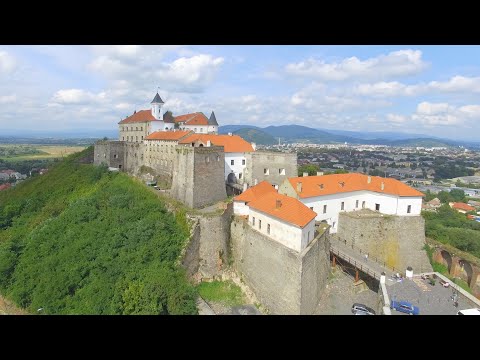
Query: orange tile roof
point(231, 144)
point(255, 192)
point(340, 183)
point(139, 116)
point(167, 135)
point(291, 210)
point(197, 118)
point(462, 206)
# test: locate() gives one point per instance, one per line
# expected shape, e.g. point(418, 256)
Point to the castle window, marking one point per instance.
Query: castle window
point(324, 209)
point(243, 161)
point(259, 224)
point(409, 209)
point(239, 175)
point(342, 206)
point(142, 137)
point(253, 221)
point(136, 138)
point(268, 229)
point(141, 128)
point(123, 138)
point(377, 207)
point(311, 208)
point(201, 129)
point(115, 156)
point(266, 171)
point(363, 204)
point(104, 155)
point(281, 171)
point(232, 162)
point(356, 204)
point(136, 128)
point(195, 129)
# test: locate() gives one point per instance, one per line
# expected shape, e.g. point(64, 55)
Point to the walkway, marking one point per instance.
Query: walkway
point(357, 259)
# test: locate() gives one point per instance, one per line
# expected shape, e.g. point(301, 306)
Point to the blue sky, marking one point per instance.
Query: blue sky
point(413, 89)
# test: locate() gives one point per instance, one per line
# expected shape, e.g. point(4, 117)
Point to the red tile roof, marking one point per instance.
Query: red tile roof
point(340, 183)
point(231, 144)
point(5, 187)
point(255, 192)
point(462, 206)
point(290, 210)
point(139, 116)
point(197, 118)
point(167, 135)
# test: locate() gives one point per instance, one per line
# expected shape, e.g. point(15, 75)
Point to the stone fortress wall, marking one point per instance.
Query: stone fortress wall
point(396, 240)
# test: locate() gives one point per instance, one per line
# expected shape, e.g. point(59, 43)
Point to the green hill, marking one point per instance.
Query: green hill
point(82, 240)
point(257, 136)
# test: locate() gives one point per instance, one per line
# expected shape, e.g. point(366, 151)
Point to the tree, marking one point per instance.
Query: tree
point(444, 197)
point(458, 195)
point(311, 169)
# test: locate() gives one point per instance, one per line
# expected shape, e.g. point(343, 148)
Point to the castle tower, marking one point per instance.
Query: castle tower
point(157, 104)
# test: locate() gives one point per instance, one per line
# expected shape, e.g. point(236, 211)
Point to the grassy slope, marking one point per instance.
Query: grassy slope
point(80, 240)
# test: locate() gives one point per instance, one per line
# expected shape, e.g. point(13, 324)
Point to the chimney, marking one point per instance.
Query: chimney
point(244, 186)
point(229, 134)
point(369, 179)
point(254, 146)
point(278, 204)
point(382, 186)
point(319, 173)
point(209, 143)
point(382, 278)
point(255, 182)
point(299, 187)
point(305, 174)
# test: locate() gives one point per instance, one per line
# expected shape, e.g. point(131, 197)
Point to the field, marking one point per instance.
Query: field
point(16, 152)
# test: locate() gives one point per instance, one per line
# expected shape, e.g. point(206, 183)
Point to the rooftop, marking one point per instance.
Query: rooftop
point(139, 116)
point(284, 208)
point(197, 118)
point(339, 183)
point(255, 192)
point(230, 143)
point(167, 135)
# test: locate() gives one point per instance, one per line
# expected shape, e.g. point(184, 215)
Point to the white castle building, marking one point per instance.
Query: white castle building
point(136, 127)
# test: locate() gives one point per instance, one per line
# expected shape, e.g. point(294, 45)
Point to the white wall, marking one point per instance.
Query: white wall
point(212, 129)
point(285, 233)
point(389, 204)
point(157, 126)
point(237, 167)
point(199, 129)
point(239, 208)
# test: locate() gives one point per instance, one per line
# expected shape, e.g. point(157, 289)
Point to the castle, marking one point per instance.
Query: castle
point(275, 238)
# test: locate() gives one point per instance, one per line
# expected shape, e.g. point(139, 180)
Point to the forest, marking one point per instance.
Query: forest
point(82, 240)
point(451, 227)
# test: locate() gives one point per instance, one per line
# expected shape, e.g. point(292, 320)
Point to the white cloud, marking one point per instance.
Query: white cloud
point(76, 97)
point(8, 99)
point(143, 66)
point(442, 114)
point(457, 84)
point(7, 63)
point(395, 118)
point(397, 63)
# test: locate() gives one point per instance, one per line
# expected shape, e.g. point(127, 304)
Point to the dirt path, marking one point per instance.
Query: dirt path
point(8, 308)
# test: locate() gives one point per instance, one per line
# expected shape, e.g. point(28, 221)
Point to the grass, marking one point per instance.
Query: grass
point(225, 292)
point(47, 152)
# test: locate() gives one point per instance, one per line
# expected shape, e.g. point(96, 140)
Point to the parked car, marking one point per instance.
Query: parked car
point(405, 306)
point(444, 283)
point(475, 311)
point(360, 309)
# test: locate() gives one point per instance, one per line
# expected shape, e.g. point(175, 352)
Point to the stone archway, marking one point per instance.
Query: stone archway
point(446, 259)
point(231, 178)
point(465, 271)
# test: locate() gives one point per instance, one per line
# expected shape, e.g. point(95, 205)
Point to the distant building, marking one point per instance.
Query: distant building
point(461, 207)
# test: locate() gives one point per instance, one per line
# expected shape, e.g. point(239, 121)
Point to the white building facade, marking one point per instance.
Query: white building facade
point(288, 234)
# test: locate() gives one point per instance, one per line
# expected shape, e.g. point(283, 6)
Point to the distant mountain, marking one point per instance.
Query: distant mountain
point(297, 133)
point(372, 135)
point(232, 128)
point(257, 136)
